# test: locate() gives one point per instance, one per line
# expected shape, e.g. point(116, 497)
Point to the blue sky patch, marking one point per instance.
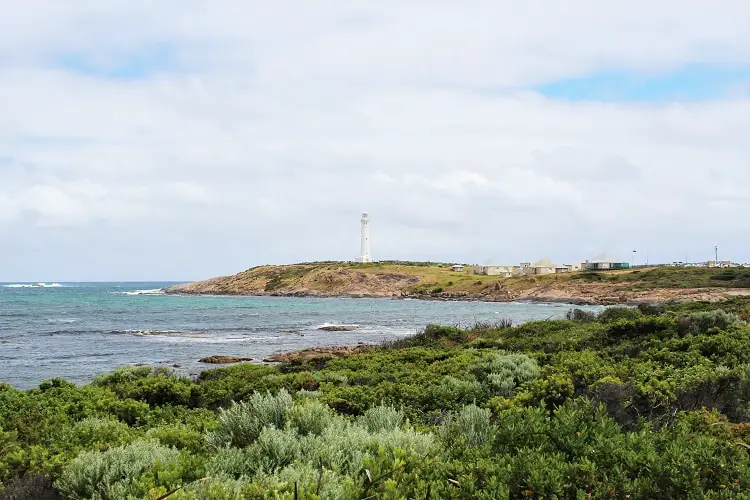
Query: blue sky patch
point(688, 83)
point(152, 59)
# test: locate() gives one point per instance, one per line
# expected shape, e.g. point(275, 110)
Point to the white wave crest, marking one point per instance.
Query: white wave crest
point(344, 327)
point(146, 333)
point(64, 321)
point(34, 285)
point(155, 291)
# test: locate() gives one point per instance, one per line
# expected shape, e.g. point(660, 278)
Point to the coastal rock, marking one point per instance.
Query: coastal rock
point(338, 328)
point(222, 360)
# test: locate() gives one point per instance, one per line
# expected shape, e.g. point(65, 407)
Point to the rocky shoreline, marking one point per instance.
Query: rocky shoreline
point(558, 296)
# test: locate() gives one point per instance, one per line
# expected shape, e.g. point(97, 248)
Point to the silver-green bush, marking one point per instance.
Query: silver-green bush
point(505, 372)
point(310, 417)
point(241, 424)
point(472, 425)
point(112, 474)
point(381, 418)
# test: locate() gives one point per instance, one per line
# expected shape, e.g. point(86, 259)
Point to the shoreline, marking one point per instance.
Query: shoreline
point(425, 298)
point(658, 295)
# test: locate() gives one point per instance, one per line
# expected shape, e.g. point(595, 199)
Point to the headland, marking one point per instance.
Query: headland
point(440, 281)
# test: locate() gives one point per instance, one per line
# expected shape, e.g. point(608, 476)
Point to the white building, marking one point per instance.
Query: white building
point(494, 270)
point(543, 266)
point(604, 262)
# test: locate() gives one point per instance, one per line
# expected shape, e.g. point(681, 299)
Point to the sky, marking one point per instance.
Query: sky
point(183, 139)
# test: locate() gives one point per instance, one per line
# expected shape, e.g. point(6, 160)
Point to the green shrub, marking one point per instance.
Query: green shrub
point(233, 462)
point(310, 417)
point(612, 314)
point(13, 457)
point(505, 372)
point(452, 392)
point(580, 316)
point(381, 418)
point(179, 436)
point(702, 322)
point(100, 433)
point(471, 426)
point(650, 308)
point(113, 474)
point(274, 449)
point(123, 375)
point(241, 424)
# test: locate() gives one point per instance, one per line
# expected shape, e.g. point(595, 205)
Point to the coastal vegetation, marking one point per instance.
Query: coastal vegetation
point(440, 281)
point(647, 402)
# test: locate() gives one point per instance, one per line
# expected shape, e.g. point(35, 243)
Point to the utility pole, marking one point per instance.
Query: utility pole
point(716, 250)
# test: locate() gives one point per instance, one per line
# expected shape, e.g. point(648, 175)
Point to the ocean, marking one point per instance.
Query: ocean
point(79, 330)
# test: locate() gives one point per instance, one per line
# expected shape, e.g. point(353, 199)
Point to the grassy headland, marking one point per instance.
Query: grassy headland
point(652, 402)
point(438, 281)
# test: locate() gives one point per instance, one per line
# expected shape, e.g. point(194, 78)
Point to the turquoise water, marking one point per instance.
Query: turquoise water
point(80, 330)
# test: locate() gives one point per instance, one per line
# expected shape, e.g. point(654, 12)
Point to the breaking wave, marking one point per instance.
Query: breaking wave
point(34, 285)
point(64, 321)
point(154, 291)
point(146, 333)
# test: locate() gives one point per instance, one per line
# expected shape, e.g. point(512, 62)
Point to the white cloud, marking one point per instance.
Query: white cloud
point(274, 125)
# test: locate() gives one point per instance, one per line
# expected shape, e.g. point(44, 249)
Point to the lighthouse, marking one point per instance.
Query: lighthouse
point(365, 239)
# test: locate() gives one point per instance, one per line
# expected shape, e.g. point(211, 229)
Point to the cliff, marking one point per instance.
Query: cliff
point(439, 282)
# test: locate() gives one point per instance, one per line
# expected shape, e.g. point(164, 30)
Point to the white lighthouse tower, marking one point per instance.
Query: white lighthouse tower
point(365, 239)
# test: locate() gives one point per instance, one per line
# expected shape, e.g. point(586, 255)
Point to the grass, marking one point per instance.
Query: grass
point(438, 279)
point(672, 277)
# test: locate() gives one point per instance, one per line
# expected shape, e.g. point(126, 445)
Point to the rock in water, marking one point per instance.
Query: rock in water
point(221, 360)
point(338, 328)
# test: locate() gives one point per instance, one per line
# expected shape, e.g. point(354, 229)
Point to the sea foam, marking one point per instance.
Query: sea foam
point(34, 285)
point(155, 291)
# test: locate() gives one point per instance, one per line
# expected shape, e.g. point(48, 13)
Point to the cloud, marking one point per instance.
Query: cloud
point(249, 134)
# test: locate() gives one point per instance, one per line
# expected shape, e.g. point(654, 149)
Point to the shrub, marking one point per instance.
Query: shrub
point(310, 417)
point(241, 424)
point(471, 426)
point(453, 392)
point(553, 389)
point(505, 372)
point(181, 437)
point(13, 457)
point(432, 335)
point(159, 390)
point(650, 308)
point(123, 375)
point(580, 316)
point(274, 449)
point(233, 462)
point(657, 326)
point(100, 433)
point(612, 314)
point(112, 474)
point(702, 322)
point(29, 488)
point(381, 418)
